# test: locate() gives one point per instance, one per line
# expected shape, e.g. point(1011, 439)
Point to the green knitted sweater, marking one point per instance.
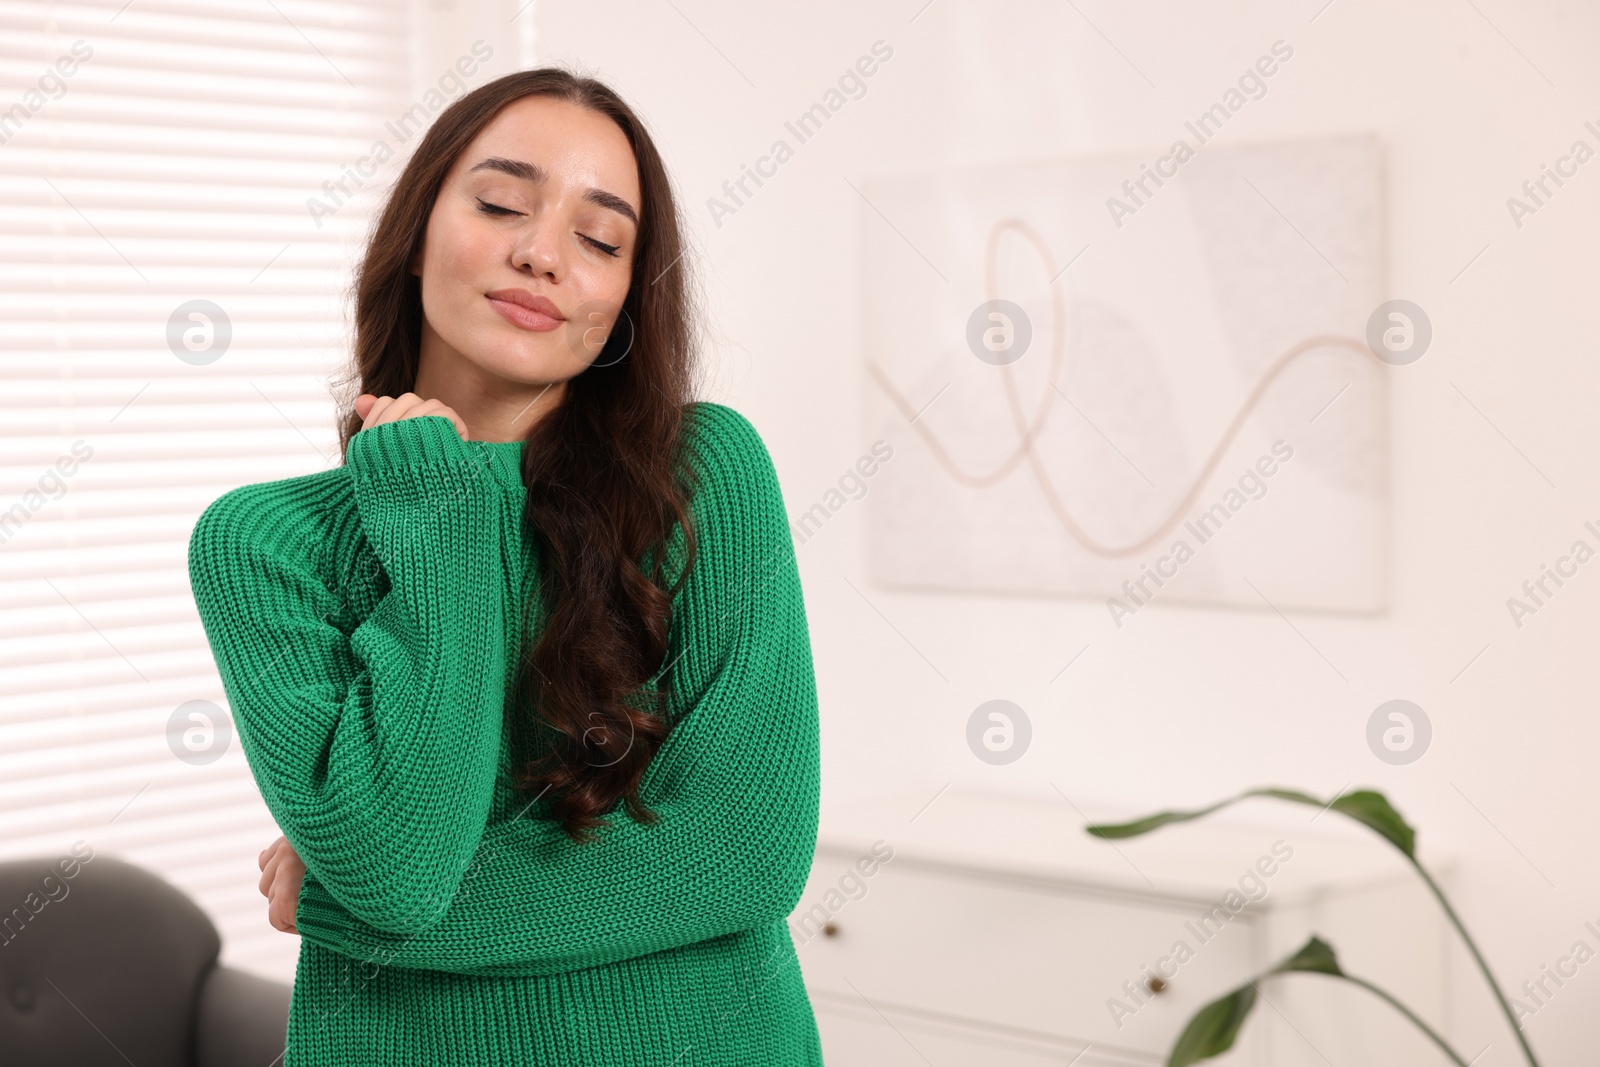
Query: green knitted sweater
point(367, 622)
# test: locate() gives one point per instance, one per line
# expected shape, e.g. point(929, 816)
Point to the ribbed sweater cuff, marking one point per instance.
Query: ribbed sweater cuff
point(423, 441)
point(318, 914)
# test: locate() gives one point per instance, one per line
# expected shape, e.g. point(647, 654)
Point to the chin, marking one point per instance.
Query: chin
point(528, 362)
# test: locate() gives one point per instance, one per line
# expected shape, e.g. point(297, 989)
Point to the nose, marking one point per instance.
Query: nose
point(538, 249)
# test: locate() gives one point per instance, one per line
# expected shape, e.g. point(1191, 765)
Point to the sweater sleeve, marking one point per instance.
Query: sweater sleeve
point(735, 784)
point(374, 749)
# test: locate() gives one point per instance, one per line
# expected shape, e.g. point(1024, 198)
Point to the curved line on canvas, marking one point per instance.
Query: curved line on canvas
point(1028, 433)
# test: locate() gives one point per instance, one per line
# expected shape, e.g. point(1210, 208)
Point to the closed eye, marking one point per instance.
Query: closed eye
point(495, 210)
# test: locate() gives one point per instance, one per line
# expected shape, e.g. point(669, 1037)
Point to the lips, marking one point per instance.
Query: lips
point(525, 309)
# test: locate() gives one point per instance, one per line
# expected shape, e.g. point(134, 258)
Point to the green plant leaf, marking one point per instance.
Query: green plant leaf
point(1155, 822)
point(1214, 1028)
point(1366, 806)
point(1316, 955)
point(1373, 809)
point(1284, 794)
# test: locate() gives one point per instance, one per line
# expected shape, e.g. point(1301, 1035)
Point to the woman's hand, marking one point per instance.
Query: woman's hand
point(378, 409)
point(281, 876)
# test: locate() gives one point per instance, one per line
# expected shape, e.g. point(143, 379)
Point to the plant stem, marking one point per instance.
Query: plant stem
point(1472, 947)
point(1408, 1013)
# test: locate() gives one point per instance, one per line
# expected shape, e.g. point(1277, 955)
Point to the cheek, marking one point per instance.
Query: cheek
point(600, 282)
point(614, 289)
point(459, 258)
point(606, 306)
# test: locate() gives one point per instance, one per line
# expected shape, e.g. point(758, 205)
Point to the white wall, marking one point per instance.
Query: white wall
point(1193, 704)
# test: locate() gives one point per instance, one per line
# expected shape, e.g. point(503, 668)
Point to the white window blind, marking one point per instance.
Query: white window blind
point(153, 154)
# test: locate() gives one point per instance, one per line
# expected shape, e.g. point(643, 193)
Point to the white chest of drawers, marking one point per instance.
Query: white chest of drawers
point(998, 933)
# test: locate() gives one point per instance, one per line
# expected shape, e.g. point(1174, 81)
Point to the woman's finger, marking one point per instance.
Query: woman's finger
point(269, 873)
point(273, 918)
point(267, 853)
point(400, 407)
point(375, 414)
point(282, 903)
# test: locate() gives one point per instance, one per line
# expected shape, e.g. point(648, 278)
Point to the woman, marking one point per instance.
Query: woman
point(527, 683)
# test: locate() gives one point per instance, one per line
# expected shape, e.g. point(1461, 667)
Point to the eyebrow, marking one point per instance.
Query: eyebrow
point(532, 172)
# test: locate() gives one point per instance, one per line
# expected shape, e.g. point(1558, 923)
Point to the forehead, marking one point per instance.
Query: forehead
point(572, 144)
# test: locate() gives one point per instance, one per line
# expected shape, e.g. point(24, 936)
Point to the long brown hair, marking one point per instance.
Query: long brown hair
point(604, 469)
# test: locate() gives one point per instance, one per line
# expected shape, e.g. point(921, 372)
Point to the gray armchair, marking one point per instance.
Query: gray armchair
point(123, 969)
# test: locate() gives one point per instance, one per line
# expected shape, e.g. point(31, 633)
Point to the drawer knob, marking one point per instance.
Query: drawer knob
point(830, 929)
point(1156, 985)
